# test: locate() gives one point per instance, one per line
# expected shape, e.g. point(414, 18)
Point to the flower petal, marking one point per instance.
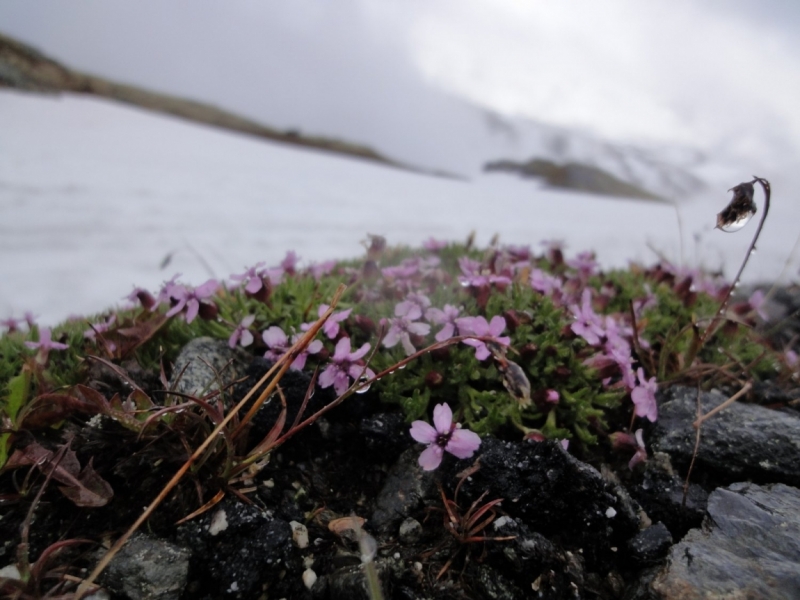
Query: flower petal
point(274, 337)
point(442, 417)
point(431, 457)
point(463, 443)
point(422, 432)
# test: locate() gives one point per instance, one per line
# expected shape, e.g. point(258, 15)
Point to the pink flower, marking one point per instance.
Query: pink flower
point(475, 276)
point(44, 345)
point(444, 435)
point(46, 341)
point(278, 343)
point(584, 263)
point(434, 245)
point(188, 300)
point(11, 324)
point(644, 397)
point(317, 270)
point(478, 326)
point(625, 442)
point(331, 327)
point(552, 396)
point(344, 365)
point(544, 283)
point(446, 317)
point(412, 307)
point(757, 304)
point(242, 335)
point(251, 279)
point(401, 330)
point(587, 324)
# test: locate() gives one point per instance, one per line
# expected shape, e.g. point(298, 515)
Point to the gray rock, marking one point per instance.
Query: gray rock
point(743, 441)
point(748, 547)
point(205, 363)
point(650, 545)
point(147, 568)
point(405, 487)
point(660, 493)
point(410, 531)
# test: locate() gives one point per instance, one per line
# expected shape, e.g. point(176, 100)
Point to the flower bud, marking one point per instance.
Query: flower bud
point(434, 379)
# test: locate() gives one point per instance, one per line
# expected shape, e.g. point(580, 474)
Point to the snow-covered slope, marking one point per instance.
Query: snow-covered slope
point(94, 196)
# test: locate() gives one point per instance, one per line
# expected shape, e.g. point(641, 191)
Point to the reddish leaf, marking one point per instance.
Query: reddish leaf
point(84, 487)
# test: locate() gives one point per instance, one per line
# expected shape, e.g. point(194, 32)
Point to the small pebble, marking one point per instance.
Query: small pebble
point(299, 534)
point(309, 578)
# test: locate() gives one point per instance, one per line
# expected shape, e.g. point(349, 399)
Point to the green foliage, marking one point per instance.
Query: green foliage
point(542, 344)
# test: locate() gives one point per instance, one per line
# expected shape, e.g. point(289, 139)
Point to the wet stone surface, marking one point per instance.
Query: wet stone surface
point(747, 548)
point(743, 441)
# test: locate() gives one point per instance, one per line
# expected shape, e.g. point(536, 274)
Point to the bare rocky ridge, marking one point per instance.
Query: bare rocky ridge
point(25, 68)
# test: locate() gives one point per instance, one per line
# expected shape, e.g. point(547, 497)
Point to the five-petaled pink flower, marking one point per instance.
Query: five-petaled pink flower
point(644, 397)
point(279, 344)
point(345, 365)
point(587, 323)
point(242, 335)
point(443, 316)
point(443, 435)
point(331, 326)
point(478, 326)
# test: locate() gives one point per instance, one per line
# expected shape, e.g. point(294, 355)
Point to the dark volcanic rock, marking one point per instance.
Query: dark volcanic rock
point(554, 494)
point(743, 441)
point(650, 545)
point(237, 550)
point(148, 569)
point(748, 548)
point(660, 494)
point(404, 490)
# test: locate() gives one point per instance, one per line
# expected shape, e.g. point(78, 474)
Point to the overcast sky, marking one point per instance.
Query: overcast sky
point(721, 75)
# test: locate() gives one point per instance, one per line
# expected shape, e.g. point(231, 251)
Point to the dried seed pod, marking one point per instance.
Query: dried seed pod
point(740, 209)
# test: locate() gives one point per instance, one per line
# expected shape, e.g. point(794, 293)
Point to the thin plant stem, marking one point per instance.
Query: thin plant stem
point(767, 193)
point(703, 418)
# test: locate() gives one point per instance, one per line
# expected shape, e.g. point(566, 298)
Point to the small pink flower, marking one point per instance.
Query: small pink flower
point(478, 326)
point(279, 343)
point(445, 316)
point(644, 397)
point(587, 323)
point(552, 396)
point(331, 327)
point(344, 366)
point(242, 335)
point(434, 245)
point(443, 436)
point(44, 345)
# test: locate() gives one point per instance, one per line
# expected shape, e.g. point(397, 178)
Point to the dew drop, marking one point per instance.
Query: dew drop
point(753, 251)
point(363, 389)
point(735, 225)
point(464, 284)
point(401, 367)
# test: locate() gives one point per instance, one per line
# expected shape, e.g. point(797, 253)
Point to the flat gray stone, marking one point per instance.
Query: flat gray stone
point(743, 441)
point(748, 547)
